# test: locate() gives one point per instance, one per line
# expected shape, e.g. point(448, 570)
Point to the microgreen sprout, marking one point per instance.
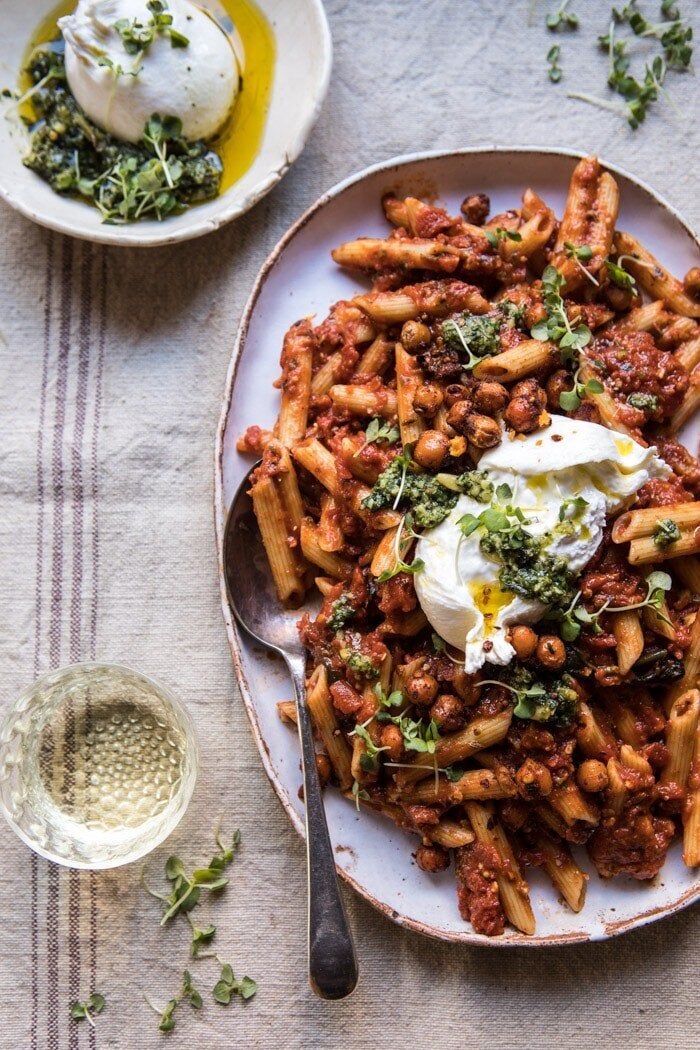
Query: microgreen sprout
point(369, 759)
point(137, 36)
point(402, 541)
point(581, 254)
point(187, 992)
point(576, 616)
point(205, 935)
point(557, 326)
point(555, 71)
point(570, 400)
point(88, 1010)
point(379, 432)
point(561, 18)
point(228, 986)
point(393, 699)
point(359, 794)
point(499, 235)
point(186, 888)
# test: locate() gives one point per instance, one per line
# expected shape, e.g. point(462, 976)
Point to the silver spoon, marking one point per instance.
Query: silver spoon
point(254, 601)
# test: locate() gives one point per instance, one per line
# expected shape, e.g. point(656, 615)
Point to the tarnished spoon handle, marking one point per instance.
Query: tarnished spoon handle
point(332, 960)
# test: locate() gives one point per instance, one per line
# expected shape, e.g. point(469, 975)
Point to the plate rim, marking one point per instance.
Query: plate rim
point(511, 939)
point(284, 156)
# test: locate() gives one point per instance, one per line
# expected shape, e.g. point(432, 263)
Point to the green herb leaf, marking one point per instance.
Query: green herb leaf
point(205, 935)
point(561, 18)
point(555, 71)
point(89, 1009)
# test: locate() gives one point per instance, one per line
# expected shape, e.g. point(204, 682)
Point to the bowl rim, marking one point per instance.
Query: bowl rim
point(283, 155)
point(512, 938)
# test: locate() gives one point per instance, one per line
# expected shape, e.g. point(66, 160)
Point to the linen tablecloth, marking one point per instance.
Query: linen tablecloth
point(113, 364)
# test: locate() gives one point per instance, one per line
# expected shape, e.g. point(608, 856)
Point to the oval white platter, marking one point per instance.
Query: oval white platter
point(302, 73)
point(299, 278)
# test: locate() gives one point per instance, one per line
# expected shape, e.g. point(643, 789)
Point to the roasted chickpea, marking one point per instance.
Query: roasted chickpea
point(691, 282)
point(535, 313)
point(490, 398)
point(482, 431)
point(421, 690)
point(592, 775)
point(432, 858)
point(465, 688)
point(524, 641)
point(523, 415)
point(557, 383)
point(533, 780)
point(427, 399)
point(323, 767)
point(392, 739)
point(551, 652)
point(415, 336)
point(530, 389)
point(619, 298)
point(458, 415)
point(431, 449)
point(455, 392)
point(476, 208)
point(448, 712)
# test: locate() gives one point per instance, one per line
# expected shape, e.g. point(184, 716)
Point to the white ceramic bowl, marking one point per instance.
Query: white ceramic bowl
point(302, 73)
point(298, 279)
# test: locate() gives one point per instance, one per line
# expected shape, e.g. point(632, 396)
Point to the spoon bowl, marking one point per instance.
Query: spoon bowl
point(257, 608)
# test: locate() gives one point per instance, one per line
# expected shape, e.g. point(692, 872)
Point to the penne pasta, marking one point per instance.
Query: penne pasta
point(370, 253)
point(477, 784)
point(520, 361)
point(408, 379)
point(637, 523)
point(455, 747)
point(680, 738)
point(688, 572)
point(588, 221)
point(629, 638)
point(653, 277)
point(564, 872)
point(644, 549)
point(451, 834)
point(691, 815)
point(362, 401)
point(322, 712)
point(689, 405)
point(604, 402)
point(329, 533)
point(376, 358)
point(691, 675)
point(297, 362)
point(571, 804)
point(434, 298)
point(688, 353)
point(593, 737)
point(313, 550)
point(286, 566)
point(512, 888)
point(659, 621)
